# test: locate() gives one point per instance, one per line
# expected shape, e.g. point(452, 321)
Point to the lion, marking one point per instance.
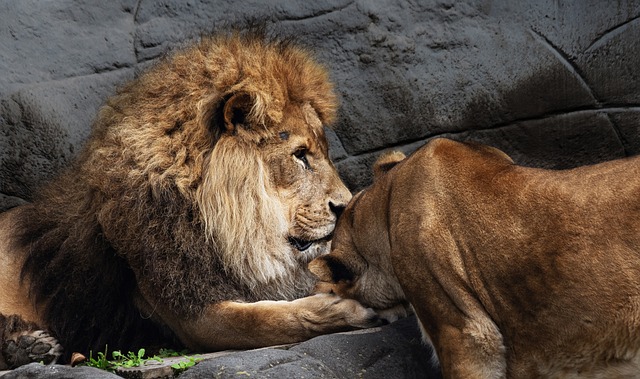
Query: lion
point(190, 215)
point(513, 272)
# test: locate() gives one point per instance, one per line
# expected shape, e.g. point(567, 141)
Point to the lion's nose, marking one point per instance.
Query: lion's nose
point(337, 208)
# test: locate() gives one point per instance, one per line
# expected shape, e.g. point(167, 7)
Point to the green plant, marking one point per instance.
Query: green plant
point(183, 365)
point(132, 359)
point(167, 353)
point(101, 362)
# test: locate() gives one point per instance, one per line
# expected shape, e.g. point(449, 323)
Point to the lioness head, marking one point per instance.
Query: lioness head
point(359, 265)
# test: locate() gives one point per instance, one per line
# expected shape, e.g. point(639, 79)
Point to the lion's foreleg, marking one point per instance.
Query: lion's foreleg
point(237, 325)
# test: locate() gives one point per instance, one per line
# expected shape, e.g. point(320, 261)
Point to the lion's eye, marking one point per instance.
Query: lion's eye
point(301, 155)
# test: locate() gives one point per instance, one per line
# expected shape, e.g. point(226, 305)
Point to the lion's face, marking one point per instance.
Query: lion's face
point(282, 195)
point(304, 178)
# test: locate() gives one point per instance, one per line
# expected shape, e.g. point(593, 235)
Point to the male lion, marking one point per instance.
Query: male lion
point(513, 272)
point(190, 215)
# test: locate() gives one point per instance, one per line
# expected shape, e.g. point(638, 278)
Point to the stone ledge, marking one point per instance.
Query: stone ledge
point(391, 351)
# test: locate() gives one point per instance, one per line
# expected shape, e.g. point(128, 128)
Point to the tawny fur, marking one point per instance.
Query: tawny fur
point(513, 272)
point(183, 204)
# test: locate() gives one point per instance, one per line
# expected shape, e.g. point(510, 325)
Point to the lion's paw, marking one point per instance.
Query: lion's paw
point(357, 315)
point(31, 346)
point(331, 313)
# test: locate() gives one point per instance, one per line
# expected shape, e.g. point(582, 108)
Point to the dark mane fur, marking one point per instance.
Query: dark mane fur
point(87, 285)
point(84, 285)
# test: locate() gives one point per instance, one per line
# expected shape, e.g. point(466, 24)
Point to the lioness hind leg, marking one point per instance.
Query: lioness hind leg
point(24, 342)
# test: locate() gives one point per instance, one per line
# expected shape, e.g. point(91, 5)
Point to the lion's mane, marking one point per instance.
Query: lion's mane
point(154, 201)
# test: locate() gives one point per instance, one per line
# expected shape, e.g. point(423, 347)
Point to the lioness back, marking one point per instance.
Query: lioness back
point(554, 256)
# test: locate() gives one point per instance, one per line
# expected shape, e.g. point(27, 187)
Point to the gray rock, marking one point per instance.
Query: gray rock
point(396, 351)
point(51, 41)
point(393, 351)
point(43, 125)
point(37, 370)
point(266, 363)
point(627, 124)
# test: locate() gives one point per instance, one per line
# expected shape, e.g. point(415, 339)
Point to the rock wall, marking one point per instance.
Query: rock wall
point(554, 84)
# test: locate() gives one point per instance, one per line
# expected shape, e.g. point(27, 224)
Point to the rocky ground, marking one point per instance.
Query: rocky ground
point(392, 351)
point(554, 84)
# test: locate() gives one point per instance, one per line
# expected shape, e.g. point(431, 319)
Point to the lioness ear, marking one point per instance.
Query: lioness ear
point(386, 162)
point(235, 111)
point(330, 269)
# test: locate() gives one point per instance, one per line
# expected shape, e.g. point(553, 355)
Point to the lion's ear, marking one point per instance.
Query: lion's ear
point(386, 162)
point(235, 111)
point(328, 268)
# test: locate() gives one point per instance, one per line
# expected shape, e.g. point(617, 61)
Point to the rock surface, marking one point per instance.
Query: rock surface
point(554, 84)
point(37, 370)
point(392, 351)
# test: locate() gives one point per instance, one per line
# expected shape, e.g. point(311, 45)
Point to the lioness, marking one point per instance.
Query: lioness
point(189, 217)
point(513, 272)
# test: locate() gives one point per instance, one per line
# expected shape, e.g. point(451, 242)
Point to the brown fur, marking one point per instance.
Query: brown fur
point(513, 272)
point(182, 208)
